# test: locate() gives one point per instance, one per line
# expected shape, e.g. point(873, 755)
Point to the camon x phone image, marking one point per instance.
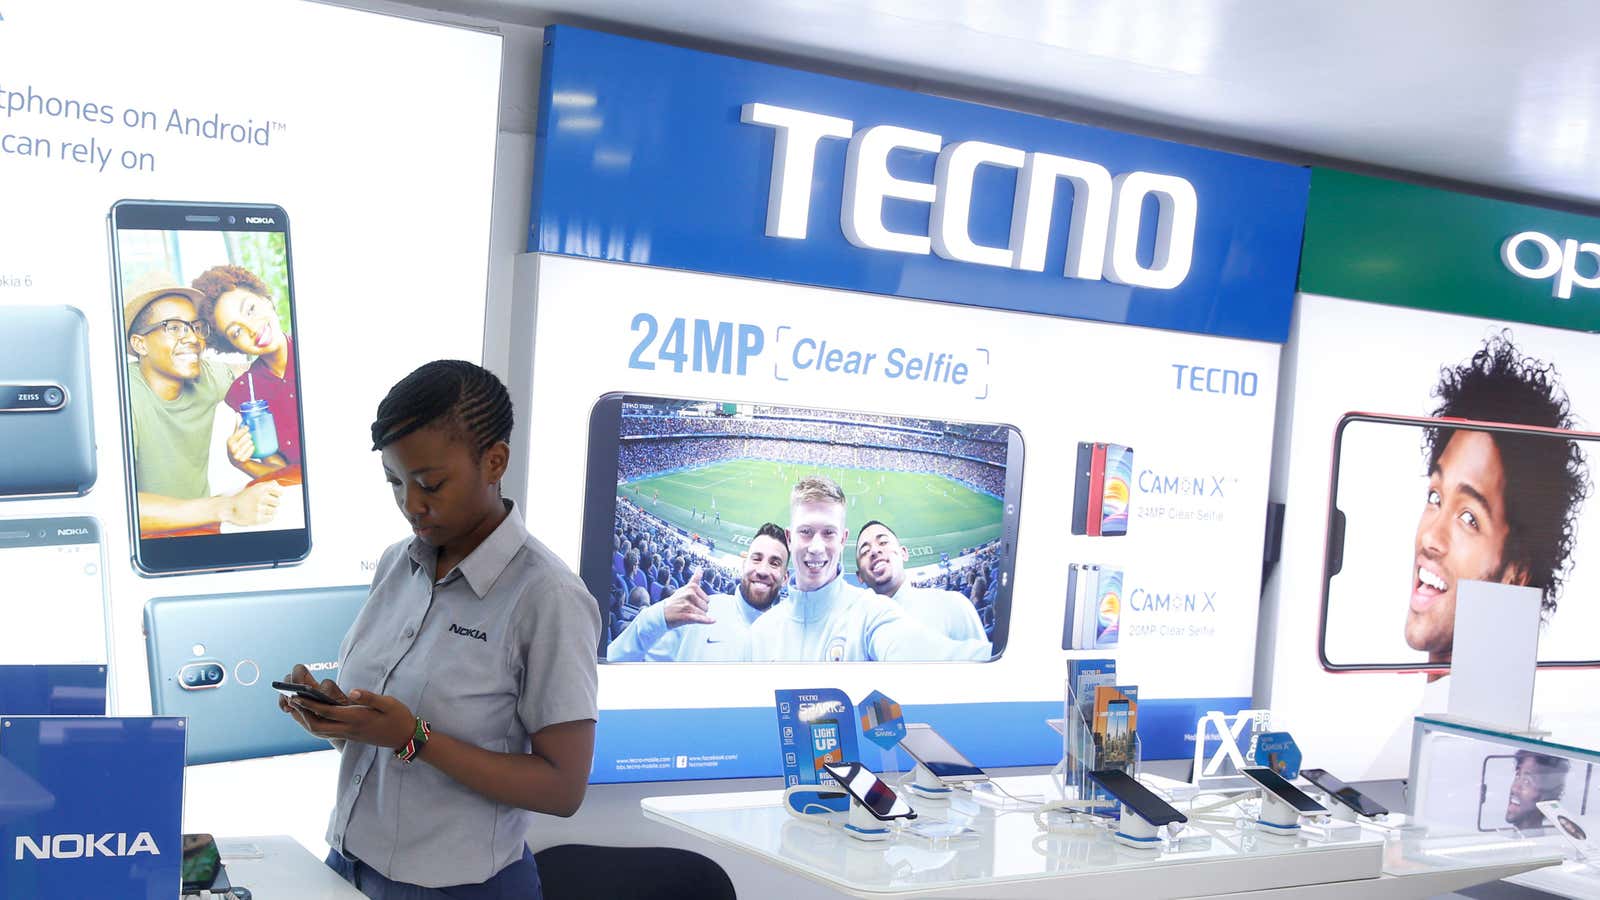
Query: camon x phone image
point(1083, 591)
point(46, 417)
point(208, 367)
point(676, 485)
point(1418, 505)
point(214, 657)
point(1103, 489)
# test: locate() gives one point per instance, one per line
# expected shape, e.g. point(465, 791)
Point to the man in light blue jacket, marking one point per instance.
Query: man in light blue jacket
point(825, 619)
point(690, 626)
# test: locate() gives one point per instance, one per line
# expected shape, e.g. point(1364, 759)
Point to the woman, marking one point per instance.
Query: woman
point(470, 673)
point(244, 317)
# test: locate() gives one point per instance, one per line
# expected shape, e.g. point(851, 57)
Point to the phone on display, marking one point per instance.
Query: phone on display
point(1143, 801)
point(1083, 477)
point(296, 689)
point(1408, 520)
point(213, 657)
point(1097, 488)
point(929, 748)
point(1280, 787)
point(1116, 490)
point(55, 585)
point(869, 789)
point(1344, 793)
point(45, 403)
point(202, 862)
point(690, 481)
point(1083, 607)
point(1107, 622)
point(208, 372)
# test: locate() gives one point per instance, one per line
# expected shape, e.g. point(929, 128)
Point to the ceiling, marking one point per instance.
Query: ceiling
point(1502, 98)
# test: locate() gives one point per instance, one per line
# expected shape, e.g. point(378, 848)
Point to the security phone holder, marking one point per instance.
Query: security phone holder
point(927, 785)
point(1133, 830)
point(859, 822)
point(1277, 816)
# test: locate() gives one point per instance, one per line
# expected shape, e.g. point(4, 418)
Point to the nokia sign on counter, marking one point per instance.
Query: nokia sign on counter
point(1032, 366)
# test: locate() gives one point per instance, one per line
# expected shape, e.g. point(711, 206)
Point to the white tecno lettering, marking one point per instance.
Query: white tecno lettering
point(79, 846)
point(794, 155)
point(1102, 237)
point(1557, 258)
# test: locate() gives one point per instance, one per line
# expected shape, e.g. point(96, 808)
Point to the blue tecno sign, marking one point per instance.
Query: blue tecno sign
point(662, 156)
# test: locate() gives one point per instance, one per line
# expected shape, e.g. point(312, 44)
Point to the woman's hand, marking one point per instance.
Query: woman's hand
point(376, 719)
point(306, 718)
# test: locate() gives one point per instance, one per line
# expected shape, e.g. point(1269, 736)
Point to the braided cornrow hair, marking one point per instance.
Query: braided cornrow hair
point(451, 393)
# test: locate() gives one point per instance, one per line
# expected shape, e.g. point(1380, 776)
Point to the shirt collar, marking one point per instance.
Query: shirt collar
point(809, 606)
point(483, 565)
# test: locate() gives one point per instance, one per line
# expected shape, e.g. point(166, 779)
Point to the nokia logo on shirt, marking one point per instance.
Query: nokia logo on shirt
point(78, 846)
point(468, 632)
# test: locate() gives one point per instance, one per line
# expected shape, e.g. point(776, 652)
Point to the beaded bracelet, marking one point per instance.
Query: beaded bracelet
point(419, 739)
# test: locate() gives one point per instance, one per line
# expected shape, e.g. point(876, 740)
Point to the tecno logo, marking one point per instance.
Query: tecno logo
point(81, 846)
point(1557, 259)
point(1103, 235)
point(258, 220)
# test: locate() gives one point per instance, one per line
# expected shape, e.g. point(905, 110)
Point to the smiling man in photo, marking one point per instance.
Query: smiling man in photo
point(1500, 507)
point(173, 392)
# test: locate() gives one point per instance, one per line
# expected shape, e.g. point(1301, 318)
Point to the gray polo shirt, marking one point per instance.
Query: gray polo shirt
point(501, 647)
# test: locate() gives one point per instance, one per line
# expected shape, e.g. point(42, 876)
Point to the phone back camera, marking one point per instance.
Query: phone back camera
point(199, 676)
point(53, 396)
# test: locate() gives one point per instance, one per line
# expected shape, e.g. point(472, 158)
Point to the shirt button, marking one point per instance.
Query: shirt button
point(358, 779)
point(410, 632)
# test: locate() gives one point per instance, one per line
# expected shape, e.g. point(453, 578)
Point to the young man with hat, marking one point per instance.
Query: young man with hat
point(172, 398)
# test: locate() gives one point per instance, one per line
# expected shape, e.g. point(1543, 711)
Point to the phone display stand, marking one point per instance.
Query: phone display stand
point(1135, 831)
point(927, 785)
point(863, 825)
point(799, 801)
point(1083, 751)
point(1277, 816)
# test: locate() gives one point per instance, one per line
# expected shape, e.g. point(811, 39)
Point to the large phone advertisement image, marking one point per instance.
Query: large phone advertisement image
point(1420, 504)
point(680, 490)
point(210, 388)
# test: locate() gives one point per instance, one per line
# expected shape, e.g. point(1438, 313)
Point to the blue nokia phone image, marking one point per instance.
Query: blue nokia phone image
point(213, 658)
point(45, 412)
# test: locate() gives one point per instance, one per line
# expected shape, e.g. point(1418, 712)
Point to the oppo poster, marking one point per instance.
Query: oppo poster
point(1440, 426)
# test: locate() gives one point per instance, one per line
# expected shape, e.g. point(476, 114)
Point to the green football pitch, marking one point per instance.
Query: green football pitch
point(931, 514)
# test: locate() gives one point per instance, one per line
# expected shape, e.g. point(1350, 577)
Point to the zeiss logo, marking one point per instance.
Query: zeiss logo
point(1140, 600)
point(81, 846)
point(1103, 240)
point(69, 532)
point(469, 632)
point(259, 220)
point(1556, 260)
point(1216, 381)
point(1151, 482)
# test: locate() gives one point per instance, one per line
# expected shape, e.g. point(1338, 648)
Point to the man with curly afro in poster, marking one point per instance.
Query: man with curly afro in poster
point(1500, 507)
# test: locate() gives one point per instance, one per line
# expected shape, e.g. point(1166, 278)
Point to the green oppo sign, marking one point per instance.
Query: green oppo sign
point(1406, 245)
